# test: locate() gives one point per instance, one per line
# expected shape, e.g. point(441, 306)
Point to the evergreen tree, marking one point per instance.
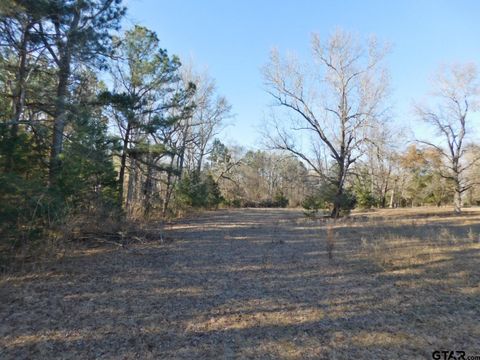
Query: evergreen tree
point(75, 32)
point(146, 99)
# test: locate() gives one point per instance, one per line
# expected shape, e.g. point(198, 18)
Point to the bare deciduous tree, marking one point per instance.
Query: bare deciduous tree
point(333, 102)
point(208, 116)
point(457, 92)
point(379, 162)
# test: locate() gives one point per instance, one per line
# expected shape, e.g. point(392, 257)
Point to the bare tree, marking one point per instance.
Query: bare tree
point(208, 116)
point(457, 93)
point(334, 103)
point(380, 154)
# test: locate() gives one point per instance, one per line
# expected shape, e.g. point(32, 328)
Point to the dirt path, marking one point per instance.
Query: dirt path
point(234, 284)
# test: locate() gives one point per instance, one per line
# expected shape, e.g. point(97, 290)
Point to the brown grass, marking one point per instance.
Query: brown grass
point(258, 284)
point(60, 241)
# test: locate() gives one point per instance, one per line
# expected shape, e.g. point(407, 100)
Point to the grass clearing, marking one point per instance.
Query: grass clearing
point(258, 283)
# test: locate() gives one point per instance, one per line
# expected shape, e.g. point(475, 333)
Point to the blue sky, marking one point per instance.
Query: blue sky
point(233, 40)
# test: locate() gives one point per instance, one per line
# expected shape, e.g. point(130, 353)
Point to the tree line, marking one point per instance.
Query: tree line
point(96, 122)
point(338, 104)
point(100, 123)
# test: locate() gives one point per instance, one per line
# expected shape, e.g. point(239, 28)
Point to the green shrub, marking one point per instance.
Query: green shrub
point(197, 191)
point(365, 200)
point(325, 198)
point(280, 200)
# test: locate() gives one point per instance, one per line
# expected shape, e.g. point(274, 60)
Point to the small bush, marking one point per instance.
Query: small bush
point(280, 200)
point(326, 197)
point(365, 200)
point(312, 204)
point(197, 191)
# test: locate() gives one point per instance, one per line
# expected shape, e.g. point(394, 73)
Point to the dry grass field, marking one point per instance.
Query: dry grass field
point(258, 284)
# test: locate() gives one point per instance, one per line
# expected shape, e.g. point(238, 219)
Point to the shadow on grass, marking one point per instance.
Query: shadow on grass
point(250, 283)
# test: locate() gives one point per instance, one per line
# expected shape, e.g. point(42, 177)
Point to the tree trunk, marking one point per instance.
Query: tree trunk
point(148, 189)
point(59, 119)
point(457, 195)
point(18, 98)
point(457, 201)
point(384, 192)
point(181, 159)
point(200, 161)
point(337, 201)
point(335, 211)
point(63, 59)
point(132, 182)
point(392, 197)
point(123, 164)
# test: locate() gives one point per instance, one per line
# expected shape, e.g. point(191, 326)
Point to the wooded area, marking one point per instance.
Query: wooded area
point(101, 124)
point(96, 124)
